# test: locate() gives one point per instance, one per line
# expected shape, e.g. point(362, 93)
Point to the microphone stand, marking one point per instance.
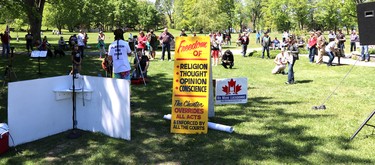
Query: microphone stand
point(74, 132)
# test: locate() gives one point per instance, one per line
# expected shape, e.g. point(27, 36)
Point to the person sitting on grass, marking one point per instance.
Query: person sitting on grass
point(227, 59)
point(280, 61)
point(276, 44)
point(141, 64)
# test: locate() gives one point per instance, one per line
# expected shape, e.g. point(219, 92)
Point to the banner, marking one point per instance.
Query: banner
point(191, 85)
point(231, 91)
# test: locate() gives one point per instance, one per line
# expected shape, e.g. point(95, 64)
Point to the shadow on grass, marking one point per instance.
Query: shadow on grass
point(262, 134)
point(303, 81)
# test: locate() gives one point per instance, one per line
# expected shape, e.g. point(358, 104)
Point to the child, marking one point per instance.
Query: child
point(77, 60)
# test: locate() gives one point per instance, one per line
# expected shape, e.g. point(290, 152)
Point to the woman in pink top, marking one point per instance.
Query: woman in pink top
point(142, 40)
point(312, 46)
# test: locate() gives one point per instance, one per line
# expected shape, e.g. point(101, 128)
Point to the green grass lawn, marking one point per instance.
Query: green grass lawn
point(276, 126)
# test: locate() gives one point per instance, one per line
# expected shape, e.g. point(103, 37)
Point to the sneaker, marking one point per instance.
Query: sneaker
point(169, 60)
point(161, 59)
point(289, 82)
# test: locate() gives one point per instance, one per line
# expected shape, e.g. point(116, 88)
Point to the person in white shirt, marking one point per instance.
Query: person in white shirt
point(118, 52)
point(330, 49)
point(81, 43)
point(280, 61)
point(331, 35)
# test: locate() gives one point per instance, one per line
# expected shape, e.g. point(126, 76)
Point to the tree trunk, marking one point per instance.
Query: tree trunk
point(34, 10)
point(254, 23)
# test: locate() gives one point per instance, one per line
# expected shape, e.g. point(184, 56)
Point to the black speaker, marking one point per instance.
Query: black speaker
point(366, 23)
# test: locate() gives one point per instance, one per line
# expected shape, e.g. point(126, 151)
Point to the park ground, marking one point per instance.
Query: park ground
point(276, 126)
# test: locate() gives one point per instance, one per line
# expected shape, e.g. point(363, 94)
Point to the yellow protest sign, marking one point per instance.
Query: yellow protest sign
point(191, 85)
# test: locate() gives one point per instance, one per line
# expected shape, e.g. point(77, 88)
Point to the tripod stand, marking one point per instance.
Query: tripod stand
point(363, 124)
point(136, 51)
point(9, 72)
point(74, 132)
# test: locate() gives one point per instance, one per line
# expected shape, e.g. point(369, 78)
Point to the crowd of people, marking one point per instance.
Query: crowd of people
point(145, 43)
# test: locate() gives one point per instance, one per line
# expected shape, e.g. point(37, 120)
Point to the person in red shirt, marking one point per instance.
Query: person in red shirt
point(5, 39)
point(142, 40)
point(244, 40)
point(312, 46)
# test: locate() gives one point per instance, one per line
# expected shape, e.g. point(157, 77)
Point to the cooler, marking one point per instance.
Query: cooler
point(4, 138)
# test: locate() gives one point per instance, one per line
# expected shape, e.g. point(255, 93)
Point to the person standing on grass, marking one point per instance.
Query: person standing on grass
point(5, 39)
point(142, 41)
point(341, 41)
point(244, 40)
point(353, 39)
point(118, 52)
point(76, 60)
point(293, 56)
point(29, 41)
point(153, 40)
point(266, 43)
point(312, 46)
point(219, 38)
point(81, 42)
point(257, 38)
point(365, 55)
point(215, 51)
point(166, 39)
point(320, 44)
point(101, 44)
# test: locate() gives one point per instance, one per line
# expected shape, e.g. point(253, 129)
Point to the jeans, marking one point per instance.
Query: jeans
point(81, 50)
point(290, 70)
point(312, 52)
point(166, 47)
point(7, 48)
point(364, 53)
point(331, 57)
point(244, 48)
point(341, 46)
point(268, 51)
point(352, 46)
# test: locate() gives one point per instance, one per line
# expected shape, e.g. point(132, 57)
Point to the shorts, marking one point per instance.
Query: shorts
point(122, 75)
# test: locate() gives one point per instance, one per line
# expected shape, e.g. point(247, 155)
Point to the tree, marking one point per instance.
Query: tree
point(166, 7)
point(277, 15)
point(124, 13)
point(227, 7)
point(148, 17)
point(300, 11)
point(349, 15)
point(255, 10)
point(61, 13)
point(34, 10)
point(327, 14)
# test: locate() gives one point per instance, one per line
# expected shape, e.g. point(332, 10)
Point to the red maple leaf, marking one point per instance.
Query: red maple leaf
point(238, 88)
point(231, 83)
point(226, 90)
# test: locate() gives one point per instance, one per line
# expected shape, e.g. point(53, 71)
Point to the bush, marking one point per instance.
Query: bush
point(371, 51)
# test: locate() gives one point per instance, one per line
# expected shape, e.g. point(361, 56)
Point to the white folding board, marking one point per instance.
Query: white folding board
point(37, 110)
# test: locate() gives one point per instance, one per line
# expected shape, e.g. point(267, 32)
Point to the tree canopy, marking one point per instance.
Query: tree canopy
point(193, 15)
